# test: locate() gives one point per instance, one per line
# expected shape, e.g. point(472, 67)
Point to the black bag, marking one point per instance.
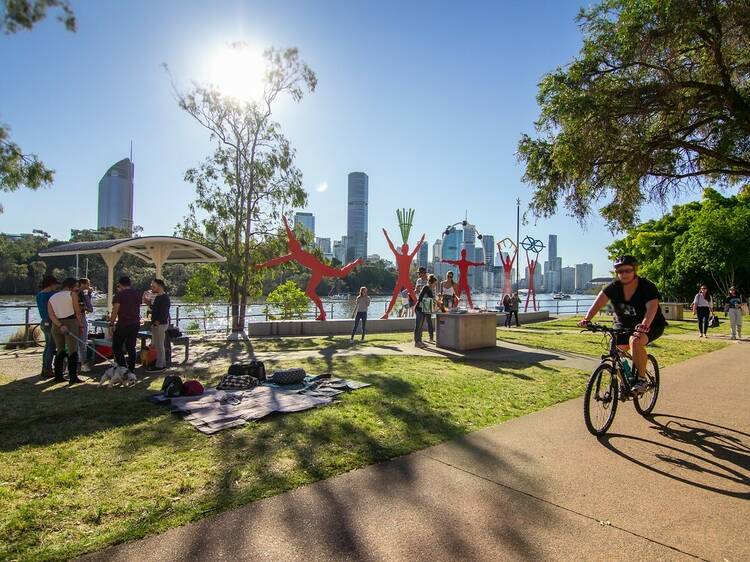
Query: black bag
point(173, 332)
point(172, 386)
point(255, 369)
point(713, 322)
point(237, 382)
point(288, 376)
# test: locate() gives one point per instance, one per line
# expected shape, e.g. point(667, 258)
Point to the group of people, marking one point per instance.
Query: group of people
point(703, 307)
point(510, 307)
point(64, 308)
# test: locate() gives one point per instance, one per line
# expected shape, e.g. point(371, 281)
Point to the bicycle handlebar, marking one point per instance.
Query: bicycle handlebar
point(591, 327)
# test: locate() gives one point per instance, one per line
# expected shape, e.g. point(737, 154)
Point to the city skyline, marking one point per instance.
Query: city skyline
point(374, 109)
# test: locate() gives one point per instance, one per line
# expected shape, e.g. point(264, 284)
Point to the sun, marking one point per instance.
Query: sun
point(238, 71)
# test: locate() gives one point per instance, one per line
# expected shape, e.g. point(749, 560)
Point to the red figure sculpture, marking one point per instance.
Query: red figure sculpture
point(403, 264)
point(463, 275)
point(532, 290)
point(508, 261)
point(317, 269)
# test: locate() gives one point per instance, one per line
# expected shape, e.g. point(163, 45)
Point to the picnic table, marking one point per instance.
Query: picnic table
point(143, 336)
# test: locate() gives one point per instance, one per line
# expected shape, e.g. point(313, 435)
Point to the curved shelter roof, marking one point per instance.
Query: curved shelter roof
point(154, 249)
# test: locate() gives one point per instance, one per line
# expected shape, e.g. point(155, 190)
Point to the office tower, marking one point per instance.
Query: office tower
point(451, 247)
point(305, 219)
point(470, 235)
point(356, 217)
point(437, 250)
point(488, 243)
point(339, 249)
point(422, 256)
point(568, 279)
point(552, 250)
point(584, 274)
point(324, 244)
point(116, 196)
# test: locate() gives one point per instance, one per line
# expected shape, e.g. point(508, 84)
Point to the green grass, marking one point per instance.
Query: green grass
point(676, 327)
point(82, 468)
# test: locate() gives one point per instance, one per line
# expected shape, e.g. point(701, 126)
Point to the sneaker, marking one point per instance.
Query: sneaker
point(640, 387)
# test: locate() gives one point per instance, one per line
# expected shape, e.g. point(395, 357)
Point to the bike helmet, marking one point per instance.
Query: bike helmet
point(625, 260)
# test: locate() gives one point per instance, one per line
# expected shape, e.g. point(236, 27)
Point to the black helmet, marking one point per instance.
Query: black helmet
point(625, 260)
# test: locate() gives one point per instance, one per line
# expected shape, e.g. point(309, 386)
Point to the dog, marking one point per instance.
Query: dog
point(117, 375)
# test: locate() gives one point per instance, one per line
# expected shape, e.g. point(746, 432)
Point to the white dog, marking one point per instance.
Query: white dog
point(117, 375)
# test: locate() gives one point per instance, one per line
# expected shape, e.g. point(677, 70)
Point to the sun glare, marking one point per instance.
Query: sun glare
point(238, 71)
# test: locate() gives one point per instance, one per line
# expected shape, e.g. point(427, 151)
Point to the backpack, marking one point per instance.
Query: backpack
point(713, 322)
point(172, 386)
point(255, 369)
point(192, 388)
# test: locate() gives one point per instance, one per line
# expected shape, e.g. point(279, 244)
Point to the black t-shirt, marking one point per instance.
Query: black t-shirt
point(628, 314)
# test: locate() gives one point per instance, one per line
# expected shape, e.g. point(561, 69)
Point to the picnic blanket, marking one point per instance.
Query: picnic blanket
point(215, 410)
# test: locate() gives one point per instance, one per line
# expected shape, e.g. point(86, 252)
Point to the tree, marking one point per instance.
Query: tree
point(289, 299)
point(18, 169)
point(700, 242)
point(657, 101)
point(250, 178)
point(203, 288)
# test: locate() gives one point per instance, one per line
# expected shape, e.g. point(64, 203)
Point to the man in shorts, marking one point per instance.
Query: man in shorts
point(635, 301)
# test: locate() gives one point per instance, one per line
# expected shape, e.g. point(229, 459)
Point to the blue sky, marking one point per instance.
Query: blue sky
point(428, 98)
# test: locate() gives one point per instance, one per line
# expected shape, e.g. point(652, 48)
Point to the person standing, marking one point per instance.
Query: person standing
point(360, 312)
point(506, 309)
point(515, 302)
point(159, 322)
point(84, 302)
point(126, 318)
point(65, 316)
point(702, 305)
point(733, 308)
point(424, 309)
point(448, 291)
point(48, 288)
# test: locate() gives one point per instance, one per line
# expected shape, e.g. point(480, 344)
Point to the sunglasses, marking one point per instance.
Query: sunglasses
point(624, 270)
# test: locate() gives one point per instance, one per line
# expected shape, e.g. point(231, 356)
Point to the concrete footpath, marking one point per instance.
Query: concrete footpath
point(675, 487)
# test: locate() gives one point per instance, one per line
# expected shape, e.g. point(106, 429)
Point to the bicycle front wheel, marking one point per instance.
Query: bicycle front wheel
point(644, 404)
point(600, 401)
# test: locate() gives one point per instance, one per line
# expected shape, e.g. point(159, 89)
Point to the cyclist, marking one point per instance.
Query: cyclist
point(636, 306)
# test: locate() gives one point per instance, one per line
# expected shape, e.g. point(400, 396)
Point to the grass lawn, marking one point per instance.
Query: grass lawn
point(82, 468)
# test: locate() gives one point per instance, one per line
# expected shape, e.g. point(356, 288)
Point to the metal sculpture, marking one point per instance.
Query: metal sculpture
point(463, 272)
point(403, 259)
point(503, 246)
point(317, 269)
point(534, 246)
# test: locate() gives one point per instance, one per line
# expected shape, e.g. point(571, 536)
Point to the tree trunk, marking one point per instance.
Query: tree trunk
point(234, 301)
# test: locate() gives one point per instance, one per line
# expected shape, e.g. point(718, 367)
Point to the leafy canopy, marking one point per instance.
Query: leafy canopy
point(657, 101)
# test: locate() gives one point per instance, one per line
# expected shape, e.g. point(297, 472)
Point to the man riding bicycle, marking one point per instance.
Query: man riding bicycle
point(636, 307)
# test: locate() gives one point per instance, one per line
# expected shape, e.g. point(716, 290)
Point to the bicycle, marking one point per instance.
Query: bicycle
point(608, 385)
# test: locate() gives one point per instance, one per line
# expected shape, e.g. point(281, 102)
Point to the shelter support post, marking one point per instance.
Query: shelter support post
point(111, 259)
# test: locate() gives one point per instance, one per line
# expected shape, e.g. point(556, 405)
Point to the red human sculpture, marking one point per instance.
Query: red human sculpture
point(507, 261)
point(463, 275)
point(316, 267)
point(403, 264)
point(532, 290)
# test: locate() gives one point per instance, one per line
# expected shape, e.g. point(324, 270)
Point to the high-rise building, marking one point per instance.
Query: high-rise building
point(324, 244)
point(451, 247)
point(356, 217)
point(422, 256)
point(470, 234)
point(584, 274)
point(488, 243)
point(552, 249)
point(568, 279)
point(437, 250)
point(339, 249)
point(116, 196)
point(305, 219)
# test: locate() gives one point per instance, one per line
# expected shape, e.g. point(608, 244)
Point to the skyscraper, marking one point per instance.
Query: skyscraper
point(324, 244)
point(422, 255)
point(584, 274)
point(437, 250)
point(116, 196)
point(568, 279)
point(552, 250)
point(305, 219)
point(356, 217)
point(488, 243)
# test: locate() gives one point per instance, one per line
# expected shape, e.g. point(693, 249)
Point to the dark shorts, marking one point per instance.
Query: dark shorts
point(653, 334)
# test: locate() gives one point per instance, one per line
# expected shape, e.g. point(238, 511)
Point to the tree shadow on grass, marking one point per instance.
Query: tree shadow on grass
point(283, 452)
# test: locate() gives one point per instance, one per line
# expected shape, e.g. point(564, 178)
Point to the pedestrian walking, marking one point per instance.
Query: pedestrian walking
point(360, 312)
point(733, 308)
point(49, 287)
point(65, 316)
point(426, 306)
point(448, 292)
point(702, 306)
point(84, 302)
point(515, 302)
point(159, 323)
point(126, 318)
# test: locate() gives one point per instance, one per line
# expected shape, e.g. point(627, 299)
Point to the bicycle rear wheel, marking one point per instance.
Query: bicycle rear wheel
point(600, 400)
point(644, 404)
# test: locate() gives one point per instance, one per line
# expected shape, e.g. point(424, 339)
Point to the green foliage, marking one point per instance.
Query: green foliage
point(289, 300)
point(204, 288)
point(701, 242)
point(242, 188)
point(405, 220)
point(657, 100)
point(378, 276)
point(16, 168)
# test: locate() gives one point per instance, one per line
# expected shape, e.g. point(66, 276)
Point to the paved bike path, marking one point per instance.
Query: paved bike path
point(535, 488)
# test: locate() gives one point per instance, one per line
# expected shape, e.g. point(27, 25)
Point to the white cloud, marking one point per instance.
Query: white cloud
point(322, 187)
